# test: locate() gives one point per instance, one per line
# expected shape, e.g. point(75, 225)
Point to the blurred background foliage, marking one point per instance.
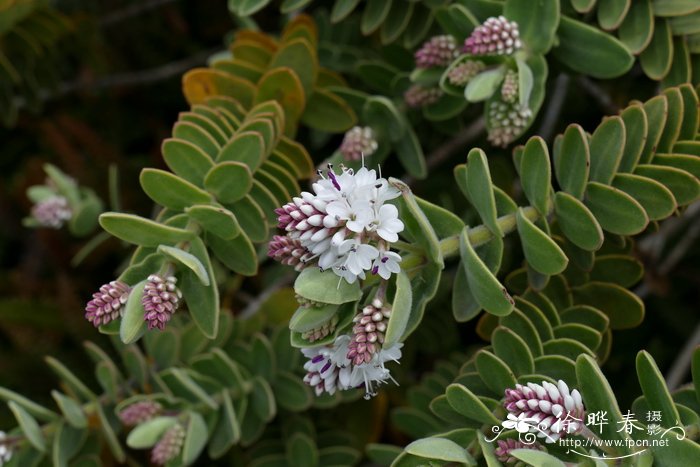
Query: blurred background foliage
point(106, 90)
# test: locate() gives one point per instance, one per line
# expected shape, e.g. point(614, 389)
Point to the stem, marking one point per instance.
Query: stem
point(478, 235)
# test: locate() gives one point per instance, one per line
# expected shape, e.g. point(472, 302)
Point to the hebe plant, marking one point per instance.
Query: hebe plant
point(382, 274)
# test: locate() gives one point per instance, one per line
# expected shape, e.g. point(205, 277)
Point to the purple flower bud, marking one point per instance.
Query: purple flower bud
point(437, 51)
point(139, 412)
point(505, 446)
point(107, 304)
point(419, 96)
point(358, 142)
point(169, 446)
point(160, 300)
point(52, 212)
point(496, 36)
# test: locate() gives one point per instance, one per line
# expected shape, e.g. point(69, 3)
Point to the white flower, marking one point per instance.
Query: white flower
point(372, 373)
point(5, 451)
point(357, 217)
point(356, 257)
point(387, 223)
point(387, 264)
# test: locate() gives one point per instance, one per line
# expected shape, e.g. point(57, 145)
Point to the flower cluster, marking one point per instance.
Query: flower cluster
point(437, 51)
point(460, 75)
point(160, 299)
point(169, 446)
point(506, 122)
point(553, 409)
point(139, 412)
point(509, 88)
point(346, 225)
point(420, 96)
point(357, 143)
point(289, 251)
point(5, 450)
point(329, 368)
point(52, 212)
point(496, 36)
point(368, 332)
point(325, 329)
point(502, 452)
point(107, 304)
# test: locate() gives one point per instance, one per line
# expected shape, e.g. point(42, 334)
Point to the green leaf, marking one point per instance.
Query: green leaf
point(141, 231)
point(483, 85)
point(444, 222)
point(636, 128)
point(624, 309)
point(65, 185)
point(384, 118)
point(535, 174)
point(215, 219)
point(251, 218)
point(468, 404)
point(535, 457)
point(684, 186)
point(298, 55)
point(262, 399)
point(148, 433)
point(247, 7)
point(229, 181)
point(284, 86)
point(689, 123)
point(513, 350)
point(382, 454)
point(464, 305)
point(71, 410)
point(607, 145)
point(410, 153)
point(446, 107)
point(202, 297)
point(480, 189)
point(376, 12)
point(325, 287)
point(599, 396)
point(188, 260)
point(417, 223)
point(674, 7)
point(655, 390)
point(590, 51)
point(657, 57)
point(579, 332)
point(656, 110)
point(29, 426)
point(85, 214)
point(577, 223)
point(301, 451)
point(227, 431)
point(66, 443)
point(681, 68)
point(396, 22)
point(400, 310)
point(247, 147)
point(497, 375)
point(537, 22)
point(441, 449)
point(685, 24)
point(341, 9)
point(637, 28)
point(674, 120)
point(572, 162)
point(611, 13)
point(133, 324)
point(456, 20)
point(326, 111)
point(616, 211)
point(31, 407)
point(488, 292)
point(237, 254)
point(308, 318)
point(541, 252)
point(195, 439)
point(292, 393)
point(655, 198)
point(518, 322)
point(619, 269)
point(526, 82)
